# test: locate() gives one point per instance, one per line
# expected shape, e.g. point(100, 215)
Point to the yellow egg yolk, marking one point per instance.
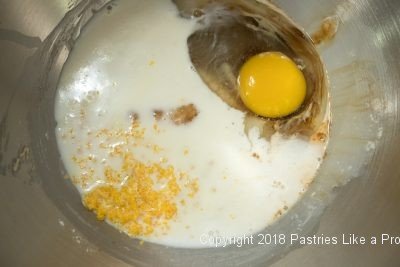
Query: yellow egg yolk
point(271, 85)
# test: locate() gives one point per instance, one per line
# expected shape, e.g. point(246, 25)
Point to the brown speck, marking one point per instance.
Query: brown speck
point(198, 13)
point(278, 184)
point(184, 114)
point(255, 155)
point(319, 136)
point(134, 117)
point(158, 114)
point(327, 30)
point(278, 214)
point(322, 134)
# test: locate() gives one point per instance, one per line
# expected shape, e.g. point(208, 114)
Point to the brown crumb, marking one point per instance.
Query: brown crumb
point(134, 117)
point(197, 13)
point(278, 214)
point(322, 134)
point(158, 114)
point(327, 30)
point(255, 155)
point(184, 114)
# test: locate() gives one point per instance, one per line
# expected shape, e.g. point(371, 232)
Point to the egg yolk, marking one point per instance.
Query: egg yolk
point(271, 85)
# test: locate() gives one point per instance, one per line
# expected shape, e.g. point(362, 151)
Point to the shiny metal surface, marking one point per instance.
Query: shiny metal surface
point(357, 191)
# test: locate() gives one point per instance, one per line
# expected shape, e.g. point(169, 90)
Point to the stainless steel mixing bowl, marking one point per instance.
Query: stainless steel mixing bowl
point(357, 191)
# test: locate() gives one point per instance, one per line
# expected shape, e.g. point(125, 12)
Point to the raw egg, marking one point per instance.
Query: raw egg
point(271, 85)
